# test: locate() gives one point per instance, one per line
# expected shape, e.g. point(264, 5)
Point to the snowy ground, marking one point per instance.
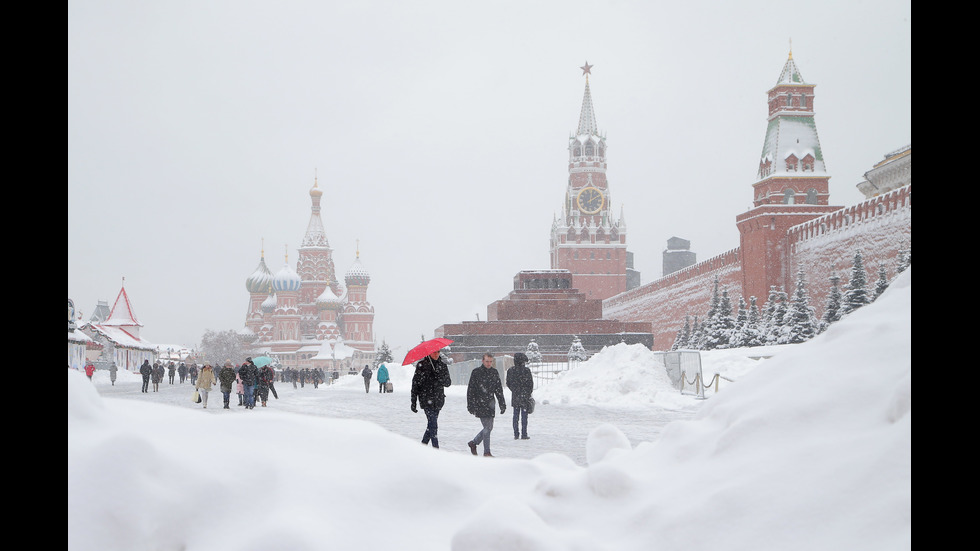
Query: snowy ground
point(810, 449)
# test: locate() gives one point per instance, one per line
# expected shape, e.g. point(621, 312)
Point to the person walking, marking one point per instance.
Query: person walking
point(171, 371)
point(192, 373)
point(250, 375)
point(428, 389)
point(157, 376)
point(521, 384)
point(112, 373)
point(382, 378)
point(146, 371)
point(226, 378)
point(367, 374)
point(182, 372)
point(483, 388)
point(89, 370)
point(267, 378)
point(205, 381)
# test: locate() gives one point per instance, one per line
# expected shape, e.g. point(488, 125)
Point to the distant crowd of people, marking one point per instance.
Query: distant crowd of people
point(252, 384)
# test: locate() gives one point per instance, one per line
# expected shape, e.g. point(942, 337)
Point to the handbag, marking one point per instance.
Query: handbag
point(530, 404)
point(389, 387)
point(196, 397)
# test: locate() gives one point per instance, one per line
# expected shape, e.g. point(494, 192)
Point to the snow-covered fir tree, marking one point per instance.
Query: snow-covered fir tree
point(904, 259)
point(741, 322)
point(856, 294)
point(800, 323)
point(683, 336)
point(752, 334)
point(383, 355)
point(533, 352)
point(577, 353)
point(882, 283)
point(717, 329)
point(773, 315)
point(833, 311)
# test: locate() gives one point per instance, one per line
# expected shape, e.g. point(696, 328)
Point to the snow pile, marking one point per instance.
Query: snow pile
point(622, 376)
point(811, 450)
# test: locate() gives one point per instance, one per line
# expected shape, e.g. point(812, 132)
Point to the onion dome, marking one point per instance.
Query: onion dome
point(329, 301)
point(261, 278)
point(269, 304)
point(286, 280)
point(357, 274)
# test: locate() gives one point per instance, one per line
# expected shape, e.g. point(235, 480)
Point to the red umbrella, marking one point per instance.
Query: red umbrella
point(424, 349)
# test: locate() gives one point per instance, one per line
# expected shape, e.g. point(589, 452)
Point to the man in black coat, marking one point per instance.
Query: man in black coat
point(145, 371)
point(521, 383)
point(484, 387)
point(428, 389)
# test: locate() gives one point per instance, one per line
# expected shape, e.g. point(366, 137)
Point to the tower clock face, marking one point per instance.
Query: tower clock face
point(590, 200)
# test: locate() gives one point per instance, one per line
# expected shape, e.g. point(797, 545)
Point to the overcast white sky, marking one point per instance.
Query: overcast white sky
point(438, 130)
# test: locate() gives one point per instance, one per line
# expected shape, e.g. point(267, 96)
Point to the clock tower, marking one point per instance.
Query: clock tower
point(586, 240)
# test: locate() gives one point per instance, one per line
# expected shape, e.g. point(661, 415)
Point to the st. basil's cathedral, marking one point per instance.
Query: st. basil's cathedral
point(306, 317)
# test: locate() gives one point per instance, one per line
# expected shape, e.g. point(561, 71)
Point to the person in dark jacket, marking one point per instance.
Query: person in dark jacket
point(521, 383)
point(182, 371)
point(171, 371)
point(267, 378)
point(428, 389)
point(146, 370)
point(226, 379)
point(483, 388)
point(249, 375)
point(156, 375)
point(367, 374)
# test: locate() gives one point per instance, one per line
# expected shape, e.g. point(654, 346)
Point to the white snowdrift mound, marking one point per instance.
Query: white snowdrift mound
point(812, 450)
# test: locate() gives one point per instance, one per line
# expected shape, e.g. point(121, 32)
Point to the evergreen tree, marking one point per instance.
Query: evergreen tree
point(753, 334)
point(683, 336)
point(774, 314)
point(856, 294)
point(577, 353)
point(800, 324)
point(882, 283)
point(533, 352)
point(904, 259)
point(739, 334)
point(383, 355)
point(694, 339)
point(833, 311)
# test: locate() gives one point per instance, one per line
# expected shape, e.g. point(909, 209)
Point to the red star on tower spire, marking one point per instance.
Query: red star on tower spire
point(586, 69)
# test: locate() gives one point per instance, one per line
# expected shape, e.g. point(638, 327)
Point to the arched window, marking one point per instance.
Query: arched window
point(789, 197)
point(811, 196)
point(589, 149)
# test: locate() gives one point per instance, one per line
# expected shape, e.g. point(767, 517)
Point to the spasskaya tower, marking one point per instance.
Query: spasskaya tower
point(586, 240)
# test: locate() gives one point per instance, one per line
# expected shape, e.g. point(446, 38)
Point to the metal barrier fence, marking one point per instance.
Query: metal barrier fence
point(543, 372)
point(546, 372)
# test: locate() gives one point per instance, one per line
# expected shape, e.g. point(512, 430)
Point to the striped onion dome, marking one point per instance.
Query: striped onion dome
point(286, 280)
point(260, 280)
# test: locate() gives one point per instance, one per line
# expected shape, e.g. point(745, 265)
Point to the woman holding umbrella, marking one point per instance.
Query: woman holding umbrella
point(428, 385)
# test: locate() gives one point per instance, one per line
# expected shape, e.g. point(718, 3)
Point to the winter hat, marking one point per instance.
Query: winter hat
point(227, 363)
point(520, 358)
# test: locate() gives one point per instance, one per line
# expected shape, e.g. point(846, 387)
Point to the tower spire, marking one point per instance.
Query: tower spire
point(586, 121)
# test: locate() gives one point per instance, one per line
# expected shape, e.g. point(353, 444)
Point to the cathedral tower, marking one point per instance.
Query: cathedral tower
point(315, 267)
point(586, 240)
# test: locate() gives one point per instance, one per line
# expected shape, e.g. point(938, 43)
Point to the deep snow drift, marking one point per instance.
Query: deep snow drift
point(809, 450)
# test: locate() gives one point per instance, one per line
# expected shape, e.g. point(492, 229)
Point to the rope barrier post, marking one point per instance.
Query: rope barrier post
point(716, 383)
